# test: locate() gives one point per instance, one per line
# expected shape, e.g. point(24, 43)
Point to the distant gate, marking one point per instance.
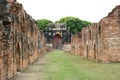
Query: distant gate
point(57, 42)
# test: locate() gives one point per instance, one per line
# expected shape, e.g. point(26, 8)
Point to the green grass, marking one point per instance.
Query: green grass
point(58, 65)
point(64, 66)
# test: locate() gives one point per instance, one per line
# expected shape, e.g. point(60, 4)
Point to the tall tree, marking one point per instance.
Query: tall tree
point(43, 23)
point(75, 24)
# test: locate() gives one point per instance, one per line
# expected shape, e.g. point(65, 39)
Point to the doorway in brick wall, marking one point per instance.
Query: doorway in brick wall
point(57, 42)
point(18, 56)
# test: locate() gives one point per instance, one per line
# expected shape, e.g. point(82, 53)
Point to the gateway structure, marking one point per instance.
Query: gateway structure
point(57, 35)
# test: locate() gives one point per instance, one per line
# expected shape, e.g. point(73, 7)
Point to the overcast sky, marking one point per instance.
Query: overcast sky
point(91, 10)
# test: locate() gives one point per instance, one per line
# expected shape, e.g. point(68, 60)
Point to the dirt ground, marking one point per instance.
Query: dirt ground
point(34, 71)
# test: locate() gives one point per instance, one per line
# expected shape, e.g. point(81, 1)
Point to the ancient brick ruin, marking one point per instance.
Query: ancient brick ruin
point(57, 36)
point(100, 41)
point(76, 44)
point(21, 42)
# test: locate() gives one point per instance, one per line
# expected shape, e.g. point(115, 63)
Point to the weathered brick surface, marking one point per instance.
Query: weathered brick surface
point(67, 47)
point(110, 27)
point(100, 41)
point(90, 38)
point(76, 43)
point(21, 42)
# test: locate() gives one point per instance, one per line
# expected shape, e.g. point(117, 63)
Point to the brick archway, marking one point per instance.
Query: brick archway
point(57, 42)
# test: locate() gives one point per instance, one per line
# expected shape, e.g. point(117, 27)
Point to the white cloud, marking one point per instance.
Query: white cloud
point(91, 10)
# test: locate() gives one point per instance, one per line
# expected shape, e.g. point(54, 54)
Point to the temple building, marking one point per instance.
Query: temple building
point(57, 35)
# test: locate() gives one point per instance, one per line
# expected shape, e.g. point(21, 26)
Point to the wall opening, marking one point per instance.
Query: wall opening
point(57, 42)
point(95, 51)
point(18, 57)
point(87, 51)
point(90, 35)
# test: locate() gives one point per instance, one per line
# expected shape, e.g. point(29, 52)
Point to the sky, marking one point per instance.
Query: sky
point(90, 10)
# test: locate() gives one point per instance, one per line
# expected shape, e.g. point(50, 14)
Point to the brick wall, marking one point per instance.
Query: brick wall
point(110, 33)
point(76, 44)
point(21, 42)
point(100, 41)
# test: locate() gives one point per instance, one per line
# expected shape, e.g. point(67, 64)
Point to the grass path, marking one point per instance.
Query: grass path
point(58, 65)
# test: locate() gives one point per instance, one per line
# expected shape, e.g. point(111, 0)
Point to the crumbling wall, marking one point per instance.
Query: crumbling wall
point(21, 42)
point(100, 41)
point(76, 44)
point(67, 47)
point(90, 37)
point(110, 32)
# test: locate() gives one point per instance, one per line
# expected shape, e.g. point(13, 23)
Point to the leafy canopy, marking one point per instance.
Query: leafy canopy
point(75, 24)
point(43, 23)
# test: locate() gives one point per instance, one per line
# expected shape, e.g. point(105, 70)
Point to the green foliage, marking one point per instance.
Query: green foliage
point(43, 23)
point(74, 23)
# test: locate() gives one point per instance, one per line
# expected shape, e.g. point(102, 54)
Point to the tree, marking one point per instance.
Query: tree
point(75, 24)
point(43, 23)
